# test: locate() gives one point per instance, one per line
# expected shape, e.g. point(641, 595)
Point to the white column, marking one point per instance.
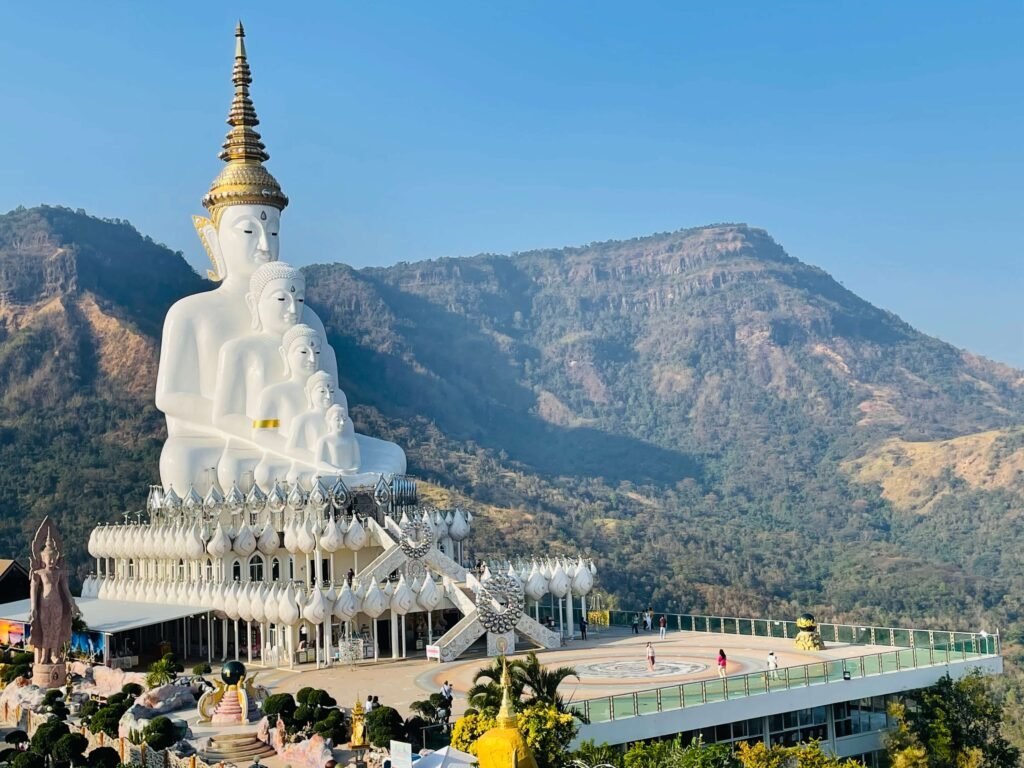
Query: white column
point(224, 638)
point(209, 637)
point(376, 645)
point(236, 639)
point(403, 636)
point(430, 628)
point(394, 635)
point(568, 605)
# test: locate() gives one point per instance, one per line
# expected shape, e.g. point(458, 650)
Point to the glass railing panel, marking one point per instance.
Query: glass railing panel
point(777, 680)
point(693, 694)
point(777, 629)
point(746, 626)
point(714, 624)
point(686, 623)
point(671, 697)
point(872, 664)
point(623, 706)
point(600, 710)
point(901, 638)
point(761, 627)
point(737, 686)
point(846, 634)
point(757, 682)
point(906, 658)
point(729, 626)
point(834, 671)
point(647, 702)
point(889, 661)
point(828, 633)
point(922, 638)
point(715, 689)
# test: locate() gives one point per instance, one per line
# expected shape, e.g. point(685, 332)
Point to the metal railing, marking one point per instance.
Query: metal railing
point(679, 696)
point(850, 634)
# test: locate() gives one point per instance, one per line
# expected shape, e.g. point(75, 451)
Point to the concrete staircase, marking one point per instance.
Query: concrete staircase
point(231, 747)
point(457, 639)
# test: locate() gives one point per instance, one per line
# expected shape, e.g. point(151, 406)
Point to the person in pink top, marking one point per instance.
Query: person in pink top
point(722, 662)
point(650, 657)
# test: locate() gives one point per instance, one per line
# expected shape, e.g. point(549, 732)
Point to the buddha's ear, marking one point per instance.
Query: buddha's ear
point(250, 300)
point(211, 244)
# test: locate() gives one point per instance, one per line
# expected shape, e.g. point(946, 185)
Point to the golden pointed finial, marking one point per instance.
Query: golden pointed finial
point(244, 180)
point(506, 713)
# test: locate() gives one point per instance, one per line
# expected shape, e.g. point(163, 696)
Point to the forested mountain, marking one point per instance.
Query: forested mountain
point(724, 427)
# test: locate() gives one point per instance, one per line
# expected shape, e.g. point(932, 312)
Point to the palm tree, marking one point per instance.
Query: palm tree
point(543, 682)
point(485, 695)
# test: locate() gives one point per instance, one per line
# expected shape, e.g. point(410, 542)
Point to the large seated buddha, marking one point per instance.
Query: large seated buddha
point(227, 356)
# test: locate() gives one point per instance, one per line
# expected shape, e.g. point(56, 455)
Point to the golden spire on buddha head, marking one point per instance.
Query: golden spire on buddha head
point(243, 180)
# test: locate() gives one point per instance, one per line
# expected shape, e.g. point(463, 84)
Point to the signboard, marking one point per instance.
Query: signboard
point(434, 652)
point(401, 754)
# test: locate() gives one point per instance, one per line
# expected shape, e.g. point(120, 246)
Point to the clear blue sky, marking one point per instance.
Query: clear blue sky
point(881, 141)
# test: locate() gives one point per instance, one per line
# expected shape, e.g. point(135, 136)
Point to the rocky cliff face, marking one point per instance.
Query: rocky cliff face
point(716, 420)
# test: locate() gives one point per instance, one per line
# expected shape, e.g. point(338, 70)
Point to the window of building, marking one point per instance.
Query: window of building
point(209, 570)
point(791, 728)
point(181, 570)
point(131, 568)
point(275, 570)
point(256, 568)
point(236, 570)
point(861, 716)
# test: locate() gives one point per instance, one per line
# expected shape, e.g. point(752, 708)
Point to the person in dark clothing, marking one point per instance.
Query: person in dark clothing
point(636, 624)
point(583, 628)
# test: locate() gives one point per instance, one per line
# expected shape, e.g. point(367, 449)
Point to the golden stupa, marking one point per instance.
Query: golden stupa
point(244, 179)
point(503, 746)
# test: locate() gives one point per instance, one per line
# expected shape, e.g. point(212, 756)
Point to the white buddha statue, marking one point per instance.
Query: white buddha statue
point(250, 364)
point(222, 349)
point(245, 202)
point(338, 449)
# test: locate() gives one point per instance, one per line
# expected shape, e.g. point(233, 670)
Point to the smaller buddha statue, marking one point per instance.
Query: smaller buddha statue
point(338, 449)
point(503, 745)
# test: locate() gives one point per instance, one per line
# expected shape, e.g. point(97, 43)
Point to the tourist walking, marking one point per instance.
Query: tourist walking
point(636, 624)
point(583, 628)
point(649, 619)
point(650, 657)
point(662, 626)
point(722, 662)
point(773, 665)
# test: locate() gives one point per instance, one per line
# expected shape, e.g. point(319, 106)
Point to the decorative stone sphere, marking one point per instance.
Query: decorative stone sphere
point(233, 672)
point(806, 622)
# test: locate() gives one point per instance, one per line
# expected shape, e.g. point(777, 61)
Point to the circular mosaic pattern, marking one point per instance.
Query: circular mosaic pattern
point(500, 602)
point(629, 669)
point(417, 536)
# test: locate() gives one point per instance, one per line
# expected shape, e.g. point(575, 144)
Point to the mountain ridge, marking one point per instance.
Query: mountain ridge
point(633, 398)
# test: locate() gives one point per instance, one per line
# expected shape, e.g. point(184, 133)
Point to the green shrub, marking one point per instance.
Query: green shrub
point(106, 720)
point(202, 669)
point(103, 757)
point(70, 748)
point(279, 704)
point(16, 737)
point(131, 690)
point(88, 709)
point(384, 724)
point(159, 733)
point(47, 735)
point(28, 760)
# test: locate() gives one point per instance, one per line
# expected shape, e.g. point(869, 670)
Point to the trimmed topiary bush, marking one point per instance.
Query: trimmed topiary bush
point(384, 724)
point(159, 733)
point(103, 757)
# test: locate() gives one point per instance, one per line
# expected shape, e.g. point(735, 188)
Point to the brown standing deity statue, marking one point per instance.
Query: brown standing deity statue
point(52, 606)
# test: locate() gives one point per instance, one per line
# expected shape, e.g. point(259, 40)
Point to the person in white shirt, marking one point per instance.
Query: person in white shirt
point(773, 665)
